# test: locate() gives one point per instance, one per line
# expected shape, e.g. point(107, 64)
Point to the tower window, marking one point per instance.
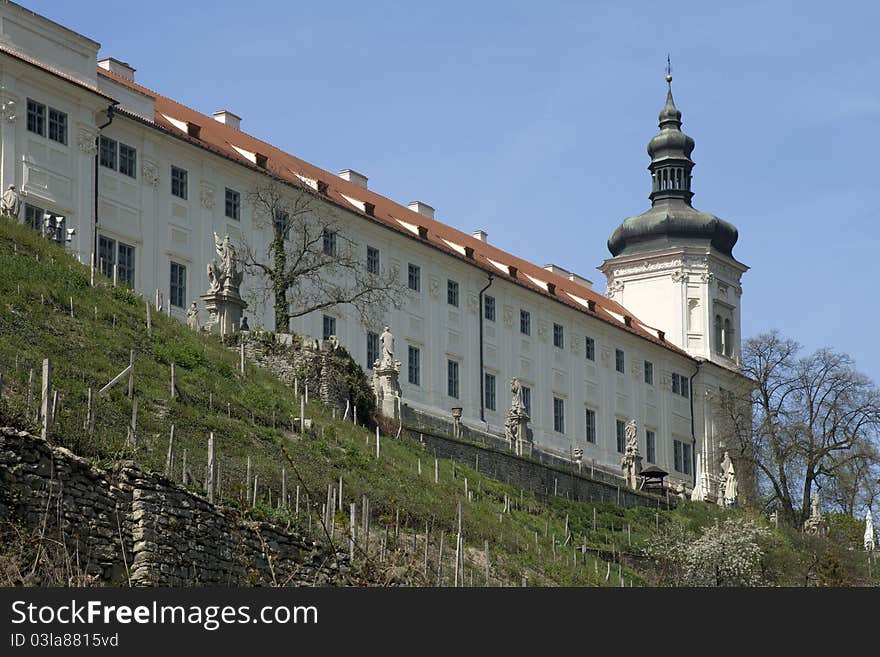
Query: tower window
point(329, 326)
point(651, 446)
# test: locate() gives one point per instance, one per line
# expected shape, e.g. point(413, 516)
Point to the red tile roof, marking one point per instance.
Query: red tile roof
point(219, 138)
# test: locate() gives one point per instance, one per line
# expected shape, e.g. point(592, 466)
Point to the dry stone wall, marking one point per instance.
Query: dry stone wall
point(125, 522)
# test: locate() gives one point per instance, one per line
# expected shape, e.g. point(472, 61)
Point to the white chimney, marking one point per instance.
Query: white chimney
point(481, 235)
point(122, 69)
point(228, 118)
point(353, 176)
point(422, 208)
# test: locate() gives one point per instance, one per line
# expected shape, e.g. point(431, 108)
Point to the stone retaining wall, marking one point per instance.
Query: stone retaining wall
point(164, 534)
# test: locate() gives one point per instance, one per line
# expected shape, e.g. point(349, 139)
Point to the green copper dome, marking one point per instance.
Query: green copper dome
point(672, 220)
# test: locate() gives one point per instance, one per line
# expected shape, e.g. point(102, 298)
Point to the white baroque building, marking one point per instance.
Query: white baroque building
point(145, 182)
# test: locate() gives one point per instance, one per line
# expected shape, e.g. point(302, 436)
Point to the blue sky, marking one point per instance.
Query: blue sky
point(530, 120)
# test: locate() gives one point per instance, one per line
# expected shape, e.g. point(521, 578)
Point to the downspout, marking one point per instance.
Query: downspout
point(97, 155)
point(482, 376)
point(693, 431)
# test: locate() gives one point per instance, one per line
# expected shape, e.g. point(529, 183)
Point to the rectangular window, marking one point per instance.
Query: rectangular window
point(128, 161)
point(233, 204)
point(558, 415)
point(685, 386)
point(525, 322)
point(178, 182)
point(621, 436)
point(178, 285)
point(33, 216)
point(329, 326)
point(57, 126)
point(107, 150)
point(452, 293)
point(676, 455)
point(372, 349)
point(527, 399)
point(490, 391)
point(591, 425)
point(686, 457)
point(651, 446)
point(106, 255)
point(329, 238)
point(452, 378)
point(415, 366)
point(414, 278)
point(676, 384)
point(590, 348)
point(619, 360)
point(36, 117)
point(558, 336)
point(125, 264)
point(372, 260)
point(282, 223)
point(649, 372)
point(489, 307)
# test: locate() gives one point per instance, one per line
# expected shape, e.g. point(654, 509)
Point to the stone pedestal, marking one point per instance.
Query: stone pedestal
point(225, 309)
point(386, 387)
point(516, 429)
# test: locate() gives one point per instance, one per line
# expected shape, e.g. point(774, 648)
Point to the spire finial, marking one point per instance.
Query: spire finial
point(668, 70)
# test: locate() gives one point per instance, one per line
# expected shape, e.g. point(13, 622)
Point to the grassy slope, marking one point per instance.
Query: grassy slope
point(37, 281)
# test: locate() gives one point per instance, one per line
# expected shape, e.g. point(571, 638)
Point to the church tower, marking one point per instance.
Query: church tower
point(673, 265)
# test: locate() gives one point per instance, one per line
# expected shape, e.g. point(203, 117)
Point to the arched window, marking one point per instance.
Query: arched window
point(728, 339)
point(719, 335)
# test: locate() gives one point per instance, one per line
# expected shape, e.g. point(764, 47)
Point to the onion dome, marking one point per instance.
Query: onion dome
point(672, 220)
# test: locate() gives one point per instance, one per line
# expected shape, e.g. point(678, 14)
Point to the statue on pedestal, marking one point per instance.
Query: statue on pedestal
point(10, 202)
point(815, 524)
point(386, 372)
point(223, 299)
point(631, 462)
point(516, 424)
point(870, 544)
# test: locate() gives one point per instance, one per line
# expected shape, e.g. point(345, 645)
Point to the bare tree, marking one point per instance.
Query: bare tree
point(814, 420)
point(309, 264)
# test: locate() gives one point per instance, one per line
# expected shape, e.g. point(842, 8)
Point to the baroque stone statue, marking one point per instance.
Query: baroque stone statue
point(815, 524)
point(192, 316)
point(10, 202)
point(631, 462)
point(223, 299)
point(226, 274)
point(729, 485)
point(386, 371)
point(870, 543)
point(386, 340)
point(516, 424)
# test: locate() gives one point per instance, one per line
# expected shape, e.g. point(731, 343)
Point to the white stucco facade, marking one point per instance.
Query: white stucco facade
point(679, 290)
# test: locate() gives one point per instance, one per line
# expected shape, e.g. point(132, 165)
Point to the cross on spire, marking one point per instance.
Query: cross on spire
point(668, 70)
